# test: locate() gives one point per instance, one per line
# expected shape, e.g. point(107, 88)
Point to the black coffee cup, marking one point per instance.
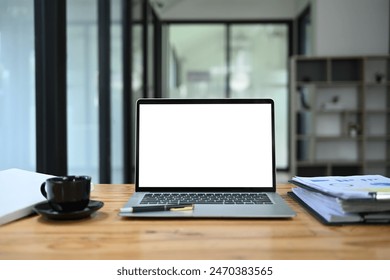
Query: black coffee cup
point(68, 193)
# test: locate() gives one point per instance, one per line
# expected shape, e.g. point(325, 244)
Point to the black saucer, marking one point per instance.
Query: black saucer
point(46, 211)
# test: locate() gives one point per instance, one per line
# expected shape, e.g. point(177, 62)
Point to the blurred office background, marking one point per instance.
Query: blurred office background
point(117, 51)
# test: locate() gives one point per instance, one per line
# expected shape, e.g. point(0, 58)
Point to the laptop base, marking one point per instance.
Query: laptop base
point(279, 209)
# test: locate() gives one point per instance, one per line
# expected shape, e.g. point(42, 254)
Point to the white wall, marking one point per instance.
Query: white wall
point(350, 27)
point(225, 9)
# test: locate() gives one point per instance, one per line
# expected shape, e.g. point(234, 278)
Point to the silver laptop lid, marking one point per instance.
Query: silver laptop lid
point(213, 145)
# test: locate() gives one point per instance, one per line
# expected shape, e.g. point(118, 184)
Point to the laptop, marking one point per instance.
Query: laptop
point(215, 155)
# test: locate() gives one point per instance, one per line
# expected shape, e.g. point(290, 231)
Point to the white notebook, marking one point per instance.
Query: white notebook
point(19, 192)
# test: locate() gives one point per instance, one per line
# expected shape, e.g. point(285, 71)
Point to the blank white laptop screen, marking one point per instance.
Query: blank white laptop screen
point(205, 146)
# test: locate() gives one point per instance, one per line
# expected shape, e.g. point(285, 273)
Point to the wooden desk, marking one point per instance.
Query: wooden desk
point(105, 235)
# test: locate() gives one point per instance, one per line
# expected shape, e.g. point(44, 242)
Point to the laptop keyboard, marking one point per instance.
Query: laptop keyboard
point(206, 198)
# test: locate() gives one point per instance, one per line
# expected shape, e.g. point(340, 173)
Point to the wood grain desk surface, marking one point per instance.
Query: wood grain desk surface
point(105, 235)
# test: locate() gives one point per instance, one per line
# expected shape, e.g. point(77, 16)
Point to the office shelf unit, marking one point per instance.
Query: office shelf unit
point(340, 109)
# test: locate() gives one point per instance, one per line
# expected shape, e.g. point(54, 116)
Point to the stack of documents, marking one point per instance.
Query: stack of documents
point(345, 199)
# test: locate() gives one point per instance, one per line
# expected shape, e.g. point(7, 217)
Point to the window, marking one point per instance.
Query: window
point(82, 93)
point(17, 85)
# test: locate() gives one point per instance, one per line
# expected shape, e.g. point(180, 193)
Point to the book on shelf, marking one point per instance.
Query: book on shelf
point(345, 199)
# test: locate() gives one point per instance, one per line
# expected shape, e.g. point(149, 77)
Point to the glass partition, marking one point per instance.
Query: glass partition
point(197, 55)
point(259, 68)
